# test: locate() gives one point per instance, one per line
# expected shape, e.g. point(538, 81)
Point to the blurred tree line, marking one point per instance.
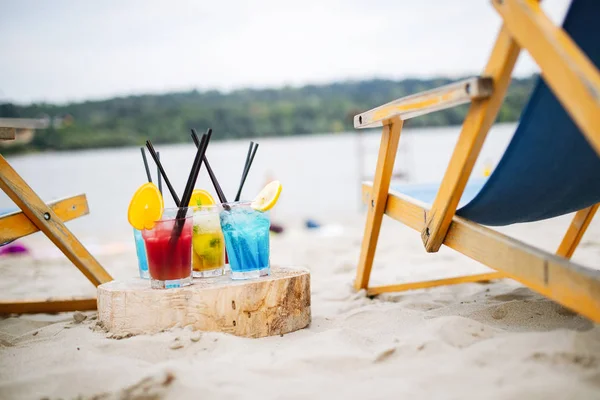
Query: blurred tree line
point(167, 118)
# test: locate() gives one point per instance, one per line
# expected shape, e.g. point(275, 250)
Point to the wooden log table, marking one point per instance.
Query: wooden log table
point(271, 305)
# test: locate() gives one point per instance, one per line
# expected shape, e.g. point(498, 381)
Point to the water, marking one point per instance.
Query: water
point(247, 240)
point(320, 174)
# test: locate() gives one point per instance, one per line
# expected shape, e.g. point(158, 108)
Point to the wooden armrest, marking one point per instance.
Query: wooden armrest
point(16, 225)
point(426, 102)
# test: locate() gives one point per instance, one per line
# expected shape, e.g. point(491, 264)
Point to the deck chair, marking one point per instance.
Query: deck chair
point(551, 166)
point(48, 218)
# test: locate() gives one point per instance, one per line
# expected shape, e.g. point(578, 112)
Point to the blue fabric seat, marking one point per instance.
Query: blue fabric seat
point(549, 168)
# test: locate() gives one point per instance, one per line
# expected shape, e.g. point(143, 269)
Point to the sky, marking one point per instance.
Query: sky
point(63, 51)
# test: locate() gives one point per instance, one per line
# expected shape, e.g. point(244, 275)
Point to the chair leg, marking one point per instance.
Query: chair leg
point(578, 226)
point(479, 119)
point(48, 222)
point(47, 306)
point(381, 184)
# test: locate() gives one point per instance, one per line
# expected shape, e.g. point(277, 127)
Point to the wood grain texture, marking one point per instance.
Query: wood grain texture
point(272, 305)
point(388, 147)
point(479, 119)
point(575, 232)
point(571, 75)
point(46, 220)
point(572, 285)
point(49, 305)
point(16, 225)
point(417, 104)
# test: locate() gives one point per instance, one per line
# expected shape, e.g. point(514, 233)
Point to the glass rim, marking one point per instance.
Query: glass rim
point(172, 214)
point(205, 207)
point(237, 203)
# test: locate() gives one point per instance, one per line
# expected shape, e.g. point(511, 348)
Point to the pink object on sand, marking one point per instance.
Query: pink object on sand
point(13, 248)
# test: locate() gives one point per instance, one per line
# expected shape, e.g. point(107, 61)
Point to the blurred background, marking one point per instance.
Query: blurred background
point(90, 82)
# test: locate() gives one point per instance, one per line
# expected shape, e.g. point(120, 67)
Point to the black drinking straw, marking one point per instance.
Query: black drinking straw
point(162, 171)
point(213, 178)
point(249, 160)
point(189, 187)
point(158, 174)
point(239, 192)
point(146, 165)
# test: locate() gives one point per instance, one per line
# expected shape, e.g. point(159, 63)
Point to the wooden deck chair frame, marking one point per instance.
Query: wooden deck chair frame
point(574, 80)
point(48, 218)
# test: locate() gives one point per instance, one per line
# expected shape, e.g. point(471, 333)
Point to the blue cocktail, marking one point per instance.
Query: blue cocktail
point(246, 233)
point(140, 248)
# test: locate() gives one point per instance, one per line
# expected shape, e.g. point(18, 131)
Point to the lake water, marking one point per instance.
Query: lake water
point(321, 174)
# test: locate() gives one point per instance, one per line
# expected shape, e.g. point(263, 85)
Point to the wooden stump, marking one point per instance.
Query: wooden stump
point(272, 305)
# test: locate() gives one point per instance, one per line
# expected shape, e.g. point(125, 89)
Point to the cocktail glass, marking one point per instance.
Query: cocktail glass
point(169, 249)
point(140, 249)
point(246, 234)
point(208, 244)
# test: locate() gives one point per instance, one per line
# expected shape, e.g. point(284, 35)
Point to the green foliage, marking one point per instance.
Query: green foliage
point(167, 118)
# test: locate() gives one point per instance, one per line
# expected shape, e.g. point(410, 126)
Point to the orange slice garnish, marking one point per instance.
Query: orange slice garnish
point(146, 207)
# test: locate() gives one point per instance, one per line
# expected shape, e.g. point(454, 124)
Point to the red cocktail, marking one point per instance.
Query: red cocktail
point(169, 249)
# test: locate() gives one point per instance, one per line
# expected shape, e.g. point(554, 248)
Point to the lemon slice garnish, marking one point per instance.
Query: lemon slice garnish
point(146, 207)
point(268, 196)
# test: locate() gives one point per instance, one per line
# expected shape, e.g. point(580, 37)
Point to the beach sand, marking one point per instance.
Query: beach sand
point(496, 340)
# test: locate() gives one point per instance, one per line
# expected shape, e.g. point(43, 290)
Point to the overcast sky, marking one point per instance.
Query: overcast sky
point(73, 50)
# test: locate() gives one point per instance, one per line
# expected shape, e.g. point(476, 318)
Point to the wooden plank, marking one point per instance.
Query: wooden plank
point(572, 285)
point(383, 174)
point(573, 78)
point(479, 119)
point(7, 133)
point(578, 226)
point(50, 305)
point(402, 287)
point(48, 222)
point(24, 123)
point(426, 102)
point(16, 225)
point(272, 305)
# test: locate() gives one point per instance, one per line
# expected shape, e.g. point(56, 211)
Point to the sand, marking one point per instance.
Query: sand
point(497, 340)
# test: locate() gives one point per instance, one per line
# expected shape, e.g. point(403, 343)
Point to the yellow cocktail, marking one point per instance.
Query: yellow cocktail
point(208, 244)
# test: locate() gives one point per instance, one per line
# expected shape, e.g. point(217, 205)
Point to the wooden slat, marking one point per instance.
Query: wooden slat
point(16, 225)
point(7, 133)
point(573, 78)
point(426, 102)
point(390, 138)
point(555, 277)
point(401, 287)
point(48, 222)
point(479, 119)
point(24, 123)
point(578, 226)
point(51, 305)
